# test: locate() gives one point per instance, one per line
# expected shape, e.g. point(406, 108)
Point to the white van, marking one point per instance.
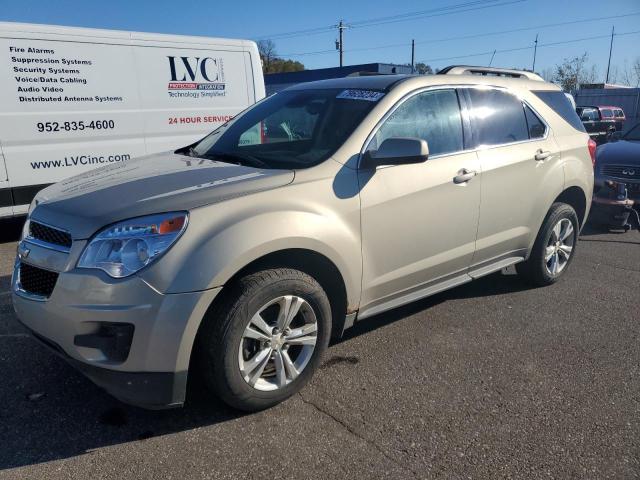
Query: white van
point(72, 99)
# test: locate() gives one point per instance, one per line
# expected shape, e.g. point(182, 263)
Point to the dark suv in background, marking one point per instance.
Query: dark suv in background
point(601, 121)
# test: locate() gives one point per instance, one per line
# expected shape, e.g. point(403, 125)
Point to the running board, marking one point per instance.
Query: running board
point(477, 272)
point(432, 289)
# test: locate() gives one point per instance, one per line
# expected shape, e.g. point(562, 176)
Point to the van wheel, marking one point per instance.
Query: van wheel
point(265, 340)
point(554, 247)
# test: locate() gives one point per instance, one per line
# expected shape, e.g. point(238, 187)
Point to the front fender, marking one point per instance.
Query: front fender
point(221, 239)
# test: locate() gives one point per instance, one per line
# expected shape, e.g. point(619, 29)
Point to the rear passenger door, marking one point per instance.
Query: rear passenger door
point(520, 165)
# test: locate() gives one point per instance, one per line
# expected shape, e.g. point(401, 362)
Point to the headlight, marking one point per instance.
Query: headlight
point(125, 247)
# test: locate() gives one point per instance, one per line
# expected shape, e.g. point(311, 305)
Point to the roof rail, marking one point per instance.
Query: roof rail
point(490, 71)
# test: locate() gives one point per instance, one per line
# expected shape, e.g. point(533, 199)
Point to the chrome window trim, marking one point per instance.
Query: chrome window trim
point(418, 91)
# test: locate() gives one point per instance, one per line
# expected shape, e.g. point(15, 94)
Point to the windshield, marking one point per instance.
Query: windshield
point(633, 134)
point(292, 129)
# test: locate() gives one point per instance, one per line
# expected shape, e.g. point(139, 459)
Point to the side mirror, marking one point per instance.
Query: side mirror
point(397, 151)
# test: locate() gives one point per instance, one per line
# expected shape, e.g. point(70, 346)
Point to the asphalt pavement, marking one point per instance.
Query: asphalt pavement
point(489, 380)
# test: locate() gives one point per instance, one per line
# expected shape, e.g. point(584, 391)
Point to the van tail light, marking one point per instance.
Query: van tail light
point(592, 151)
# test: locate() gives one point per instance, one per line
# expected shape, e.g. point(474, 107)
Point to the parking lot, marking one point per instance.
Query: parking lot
point(489, 380)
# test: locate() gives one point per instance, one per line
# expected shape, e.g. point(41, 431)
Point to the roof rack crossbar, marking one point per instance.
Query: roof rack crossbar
point(499, 72)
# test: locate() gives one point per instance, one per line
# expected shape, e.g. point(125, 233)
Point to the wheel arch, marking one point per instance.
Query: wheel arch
point(311, 262)
point(576, 198)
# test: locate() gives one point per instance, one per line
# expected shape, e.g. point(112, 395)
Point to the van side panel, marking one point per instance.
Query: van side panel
point(188, 92)
point(75, 99)
point(66, 107)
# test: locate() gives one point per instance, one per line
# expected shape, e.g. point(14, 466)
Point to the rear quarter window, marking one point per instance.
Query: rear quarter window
point(560, 104)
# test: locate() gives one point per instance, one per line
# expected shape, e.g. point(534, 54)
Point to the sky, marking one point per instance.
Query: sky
point(437, 30)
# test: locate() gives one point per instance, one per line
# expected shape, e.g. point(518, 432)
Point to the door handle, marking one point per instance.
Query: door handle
point(542, 154)
point(464, 176)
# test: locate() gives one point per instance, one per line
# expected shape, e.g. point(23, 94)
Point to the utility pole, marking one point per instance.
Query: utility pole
point(413, 56)
point(535, 50)
point(491, 61)
point(340, 43)
point(613, 30)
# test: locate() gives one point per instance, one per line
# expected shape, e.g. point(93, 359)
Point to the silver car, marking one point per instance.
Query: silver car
point(243, 254)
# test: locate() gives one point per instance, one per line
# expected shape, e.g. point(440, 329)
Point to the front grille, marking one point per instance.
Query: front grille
point(37, 281)
point(626, 172)
point(48, 234)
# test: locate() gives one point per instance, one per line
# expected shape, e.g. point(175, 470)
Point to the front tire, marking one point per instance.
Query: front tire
point(554, 247)
point(265, 340)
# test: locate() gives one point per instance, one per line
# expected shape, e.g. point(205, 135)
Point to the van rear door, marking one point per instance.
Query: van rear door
point(188, 92)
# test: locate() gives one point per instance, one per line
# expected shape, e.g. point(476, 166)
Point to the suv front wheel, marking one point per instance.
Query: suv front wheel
point(554, 247)
point(265, 340)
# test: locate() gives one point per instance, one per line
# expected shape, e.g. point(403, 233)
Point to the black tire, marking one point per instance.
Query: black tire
point(534, 270)
point(221, 335)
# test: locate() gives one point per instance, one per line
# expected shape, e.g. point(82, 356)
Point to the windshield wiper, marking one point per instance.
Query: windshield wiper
point(237, 158)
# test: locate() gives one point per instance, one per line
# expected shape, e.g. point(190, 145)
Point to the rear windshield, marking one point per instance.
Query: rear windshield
point(562, 106)
point(633, 134)
point(292, 129)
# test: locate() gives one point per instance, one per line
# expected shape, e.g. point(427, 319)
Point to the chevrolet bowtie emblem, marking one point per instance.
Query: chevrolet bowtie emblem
point(23, 251)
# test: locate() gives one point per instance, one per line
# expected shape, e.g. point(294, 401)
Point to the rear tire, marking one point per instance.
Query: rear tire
point(265, 339)
point(554, 247)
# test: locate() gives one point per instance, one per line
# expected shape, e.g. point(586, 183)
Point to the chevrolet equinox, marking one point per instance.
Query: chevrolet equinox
point(242, 255)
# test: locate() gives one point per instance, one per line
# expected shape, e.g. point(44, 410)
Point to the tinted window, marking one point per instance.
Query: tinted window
point(433, 116)
point(606, 113)
point(498, 117)
point(633, 134)
point(589, 114)
point(535, 125)
point(619, 113)
point(562, 106)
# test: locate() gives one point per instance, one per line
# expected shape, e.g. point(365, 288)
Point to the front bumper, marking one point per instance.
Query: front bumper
point(83, 302)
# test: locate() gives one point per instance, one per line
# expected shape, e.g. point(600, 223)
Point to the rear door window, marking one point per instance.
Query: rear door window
point(562, 106)
point(606, 113)
point(498, 117)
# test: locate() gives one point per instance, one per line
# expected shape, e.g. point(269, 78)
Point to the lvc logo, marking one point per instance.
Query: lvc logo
point(196, 73)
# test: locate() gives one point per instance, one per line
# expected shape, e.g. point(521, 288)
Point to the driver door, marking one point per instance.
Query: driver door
point(418, 225)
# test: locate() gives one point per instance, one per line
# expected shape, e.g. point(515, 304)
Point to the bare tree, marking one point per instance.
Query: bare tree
point(630, 74)
point(267, 50)
point(635, 68)
point(574, 71)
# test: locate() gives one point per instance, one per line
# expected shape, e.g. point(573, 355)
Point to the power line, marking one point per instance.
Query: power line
point(529, 47)
point(434, 12)
point(465, 37)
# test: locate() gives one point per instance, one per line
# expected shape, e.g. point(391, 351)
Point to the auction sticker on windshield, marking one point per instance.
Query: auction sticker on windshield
point(353, 94)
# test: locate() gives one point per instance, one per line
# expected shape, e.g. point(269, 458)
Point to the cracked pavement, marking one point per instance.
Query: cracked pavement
point(489, 380)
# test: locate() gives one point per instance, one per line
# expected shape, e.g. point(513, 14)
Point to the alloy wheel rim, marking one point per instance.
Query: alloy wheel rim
point(277, 343)
point(559, 247)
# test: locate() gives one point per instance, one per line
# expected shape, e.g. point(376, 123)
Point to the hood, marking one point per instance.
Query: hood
point(146, 185)
point(622, 152)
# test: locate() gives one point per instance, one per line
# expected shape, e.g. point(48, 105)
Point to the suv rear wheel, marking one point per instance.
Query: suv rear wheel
point(554, 247)
point(266, 339)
